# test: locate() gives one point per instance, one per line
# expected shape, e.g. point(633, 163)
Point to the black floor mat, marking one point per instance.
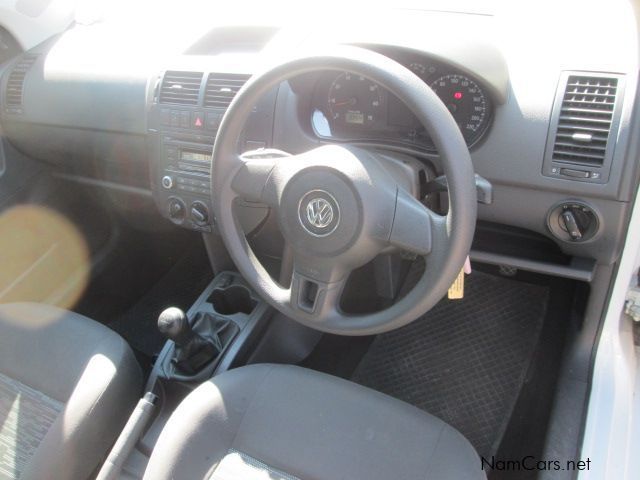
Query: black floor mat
point(465, 361)
point(179, 287)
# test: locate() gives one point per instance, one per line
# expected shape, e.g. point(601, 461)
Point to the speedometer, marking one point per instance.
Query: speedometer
point(354, 100)
point(466, 102)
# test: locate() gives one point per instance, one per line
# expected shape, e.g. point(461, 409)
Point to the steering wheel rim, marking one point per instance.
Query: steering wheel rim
point(449, 237)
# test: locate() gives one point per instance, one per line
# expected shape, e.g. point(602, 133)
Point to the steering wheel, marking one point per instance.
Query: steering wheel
point(338, 207)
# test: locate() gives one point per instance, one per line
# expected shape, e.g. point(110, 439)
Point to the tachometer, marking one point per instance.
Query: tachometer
point(354, 100)
point(466, 102)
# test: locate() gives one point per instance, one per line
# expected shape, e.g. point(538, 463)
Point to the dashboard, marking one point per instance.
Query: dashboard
point(548, 124)
point(346, 107)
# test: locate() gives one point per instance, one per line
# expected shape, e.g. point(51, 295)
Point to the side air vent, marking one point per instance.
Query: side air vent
point(222, 87)
point(584, 126)
point(181, 88)
point(15, 83)
point(585, 120)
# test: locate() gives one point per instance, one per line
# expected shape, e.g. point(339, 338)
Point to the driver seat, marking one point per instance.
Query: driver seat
point(288, 423)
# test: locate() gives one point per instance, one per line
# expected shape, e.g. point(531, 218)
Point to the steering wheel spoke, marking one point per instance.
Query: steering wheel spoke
point(254, 180)
point(414, 225)
point(315, 297)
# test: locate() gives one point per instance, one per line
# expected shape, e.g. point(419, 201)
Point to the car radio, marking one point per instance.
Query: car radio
point(185, 183)
point(183, 158)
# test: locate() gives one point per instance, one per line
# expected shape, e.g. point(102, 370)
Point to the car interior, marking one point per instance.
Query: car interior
point(335, 243)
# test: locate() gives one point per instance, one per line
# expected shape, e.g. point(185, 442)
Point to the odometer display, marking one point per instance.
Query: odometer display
point(354, 118)
point(466, 102)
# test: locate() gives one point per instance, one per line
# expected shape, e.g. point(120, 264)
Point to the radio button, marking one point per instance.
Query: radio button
point(167, 182)
point(175, 118)
point(184, 119)
point(172, 153)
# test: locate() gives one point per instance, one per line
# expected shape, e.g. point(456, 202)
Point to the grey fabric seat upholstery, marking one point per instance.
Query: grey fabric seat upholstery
point(285, 422)
point(67, 386)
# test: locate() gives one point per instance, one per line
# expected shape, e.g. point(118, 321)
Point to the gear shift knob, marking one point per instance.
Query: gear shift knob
point(174, 324)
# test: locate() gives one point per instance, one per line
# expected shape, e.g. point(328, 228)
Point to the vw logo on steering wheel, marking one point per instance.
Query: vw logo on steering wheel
point(319, 213)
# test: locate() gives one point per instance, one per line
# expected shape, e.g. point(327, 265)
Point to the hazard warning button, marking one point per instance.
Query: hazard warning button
point(197, 119)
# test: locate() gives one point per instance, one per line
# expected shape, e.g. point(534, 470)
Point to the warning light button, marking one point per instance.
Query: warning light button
point(197, 120)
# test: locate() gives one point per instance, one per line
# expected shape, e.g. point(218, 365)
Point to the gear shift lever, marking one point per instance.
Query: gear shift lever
point(174, 325)
point(192, 350)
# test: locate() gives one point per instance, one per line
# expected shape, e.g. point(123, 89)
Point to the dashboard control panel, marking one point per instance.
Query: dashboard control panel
point(183, 118)
point(185, 183)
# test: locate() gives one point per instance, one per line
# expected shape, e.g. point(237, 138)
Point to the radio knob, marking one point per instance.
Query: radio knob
point(167, 182)
point(199, 213)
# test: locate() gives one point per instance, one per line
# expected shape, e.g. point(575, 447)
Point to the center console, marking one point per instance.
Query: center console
point(219, 332)
point(185, 109)
point(228, 314)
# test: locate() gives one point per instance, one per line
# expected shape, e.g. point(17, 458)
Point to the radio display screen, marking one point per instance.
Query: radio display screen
point(194, 156)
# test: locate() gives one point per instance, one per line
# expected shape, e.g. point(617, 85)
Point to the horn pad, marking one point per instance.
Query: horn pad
point(321, 212)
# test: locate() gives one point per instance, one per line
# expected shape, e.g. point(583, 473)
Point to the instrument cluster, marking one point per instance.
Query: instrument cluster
point(350, 107)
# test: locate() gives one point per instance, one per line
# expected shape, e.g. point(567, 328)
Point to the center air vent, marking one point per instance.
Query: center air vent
point(15, 83)
point(222, 87)
point(181, 88)
point(584, 126)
